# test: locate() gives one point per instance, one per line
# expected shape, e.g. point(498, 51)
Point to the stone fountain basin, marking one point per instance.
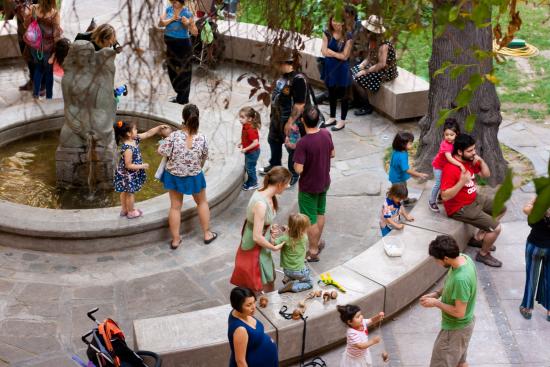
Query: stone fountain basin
point(100, 230)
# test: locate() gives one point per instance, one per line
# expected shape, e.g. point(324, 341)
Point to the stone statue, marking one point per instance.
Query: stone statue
point(87, 87)
point(86, 155)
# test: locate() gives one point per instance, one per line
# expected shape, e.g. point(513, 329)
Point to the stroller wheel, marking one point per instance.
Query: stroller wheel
point(151, 359)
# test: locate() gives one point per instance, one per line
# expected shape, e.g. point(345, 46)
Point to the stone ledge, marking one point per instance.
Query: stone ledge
point(99, 230)
point(9, 43)
point(373, 281)
point(403, 98)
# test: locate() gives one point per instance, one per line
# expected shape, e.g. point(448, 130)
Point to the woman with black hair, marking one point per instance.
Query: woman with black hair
point(179, 25)
point(250, 345)
point(187, 152)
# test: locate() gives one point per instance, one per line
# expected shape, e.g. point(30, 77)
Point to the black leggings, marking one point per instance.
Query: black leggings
point(334, 93)
point(179, 53)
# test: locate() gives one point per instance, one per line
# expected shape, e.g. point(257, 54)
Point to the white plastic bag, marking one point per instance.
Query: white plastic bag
point(392, 246)
point(160, 169)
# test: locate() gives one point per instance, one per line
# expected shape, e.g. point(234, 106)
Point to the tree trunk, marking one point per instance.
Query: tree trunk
point(455, 45)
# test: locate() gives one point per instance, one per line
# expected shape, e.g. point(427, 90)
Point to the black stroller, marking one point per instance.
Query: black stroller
point(107, 348)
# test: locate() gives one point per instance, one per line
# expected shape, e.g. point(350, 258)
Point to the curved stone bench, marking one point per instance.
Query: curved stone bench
point(373, 281)
point(99, 230)
point(402, 98)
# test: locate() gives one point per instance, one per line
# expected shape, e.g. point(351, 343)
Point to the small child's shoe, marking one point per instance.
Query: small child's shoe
point(136, 213)
point(434, 208)
point(123, 213)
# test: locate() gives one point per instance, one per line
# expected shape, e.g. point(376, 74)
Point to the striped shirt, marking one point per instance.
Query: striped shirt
point(355, 336)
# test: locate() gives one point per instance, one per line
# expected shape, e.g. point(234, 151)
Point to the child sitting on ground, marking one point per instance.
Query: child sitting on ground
point(293, 255)
point(357, 336)
point(392, 209)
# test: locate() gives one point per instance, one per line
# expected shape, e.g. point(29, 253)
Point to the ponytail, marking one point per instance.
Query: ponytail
point(122, 129)
point(190, 115)
point(276, 175)
point(253, 116)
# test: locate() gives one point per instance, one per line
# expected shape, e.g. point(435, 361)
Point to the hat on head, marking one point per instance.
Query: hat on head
point(374, 24)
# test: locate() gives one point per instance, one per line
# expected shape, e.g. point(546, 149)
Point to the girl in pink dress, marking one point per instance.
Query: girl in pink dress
point(357, 352)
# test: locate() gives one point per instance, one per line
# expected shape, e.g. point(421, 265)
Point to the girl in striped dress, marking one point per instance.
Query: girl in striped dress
point(358, 343)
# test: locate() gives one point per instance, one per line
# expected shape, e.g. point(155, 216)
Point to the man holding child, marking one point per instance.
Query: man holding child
point(463, 203)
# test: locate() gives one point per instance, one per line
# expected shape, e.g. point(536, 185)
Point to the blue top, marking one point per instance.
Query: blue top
point(337, 72)
point(176, 29)
point(399, 164)
point(261, 351)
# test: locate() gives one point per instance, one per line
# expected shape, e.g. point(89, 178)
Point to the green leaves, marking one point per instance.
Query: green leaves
point(442, 69)
point(464, 97)
point(457, 70)
point(443, 115)
point(207, 36)
point(542, 203)
point(503, 194)
point(470, 122)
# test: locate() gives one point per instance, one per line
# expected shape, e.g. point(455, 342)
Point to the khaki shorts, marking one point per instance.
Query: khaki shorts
point(479, 214)
point(451, 347)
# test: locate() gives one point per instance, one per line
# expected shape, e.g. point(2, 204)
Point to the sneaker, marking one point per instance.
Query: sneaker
point(286, 279)
point(363, 111)
point(488, 260)
point(477, 243)
point(286, 288)
point(434, 207)
point(293, 180)
point(249, 188)
point(525, 312)
point(265, 170)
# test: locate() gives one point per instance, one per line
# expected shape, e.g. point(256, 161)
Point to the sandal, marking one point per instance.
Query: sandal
point(173, 247)
point(123, 213)
point(525, 312)
point(136, 213)
point(322, 245)
point(212, 239)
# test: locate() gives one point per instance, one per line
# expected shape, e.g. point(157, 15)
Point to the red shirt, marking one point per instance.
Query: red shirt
point(467, 194)
point(440, 160)
point(248, 135)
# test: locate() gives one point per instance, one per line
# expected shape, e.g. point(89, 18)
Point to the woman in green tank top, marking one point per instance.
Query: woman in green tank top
point(256, 236)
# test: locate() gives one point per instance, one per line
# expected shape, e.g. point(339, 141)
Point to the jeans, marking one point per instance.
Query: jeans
point(301, 279)
point(437, 185)
point(250, 160)
point(42, 75)
point(537, 268)
point(179, 53)
point(277, 154)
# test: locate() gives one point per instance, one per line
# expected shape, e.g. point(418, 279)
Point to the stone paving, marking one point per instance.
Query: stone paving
point(44, 297)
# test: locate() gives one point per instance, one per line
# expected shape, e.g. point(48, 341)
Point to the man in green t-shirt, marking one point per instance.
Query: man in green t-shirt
point(456, 300)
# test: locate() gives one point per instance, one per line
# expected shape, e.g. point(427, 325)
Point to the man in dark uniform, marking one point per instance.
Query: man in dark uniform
point(288, 100)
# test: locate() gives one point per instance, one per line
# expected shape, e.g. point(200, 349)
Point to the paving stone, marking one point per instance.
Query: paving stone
point(30, 257)
point(94, 293)
point(6, 286)
point(365, 184)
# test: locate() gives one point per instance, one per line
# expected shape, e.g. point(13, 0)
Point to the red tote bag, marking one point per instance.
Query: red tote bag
point(247, 266)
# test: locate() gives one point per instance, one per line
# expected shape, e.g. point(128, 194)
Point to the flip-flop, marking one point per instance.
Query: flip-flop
point(178, 245)
point(214, 236)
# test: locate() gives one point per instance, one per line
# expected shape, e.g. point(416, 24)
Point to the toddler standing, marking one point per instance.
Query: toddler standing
point(392, 209)
point(250, 145)
point(293, 255)
point(400, 171)
point(450, 131)
point(130, 171)
point(357, 336)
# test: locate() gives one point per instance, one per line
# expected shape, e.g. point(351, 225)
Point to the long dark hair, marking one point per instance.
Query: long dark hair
point(275, 176)
point(190, 115)
point(122, 129)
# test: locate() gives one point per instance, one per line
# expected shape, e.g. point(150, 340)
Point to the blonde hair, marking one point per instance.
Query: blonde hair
point(297, 227)
point(275, 176)
point(252, 115)
point(102, 34)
